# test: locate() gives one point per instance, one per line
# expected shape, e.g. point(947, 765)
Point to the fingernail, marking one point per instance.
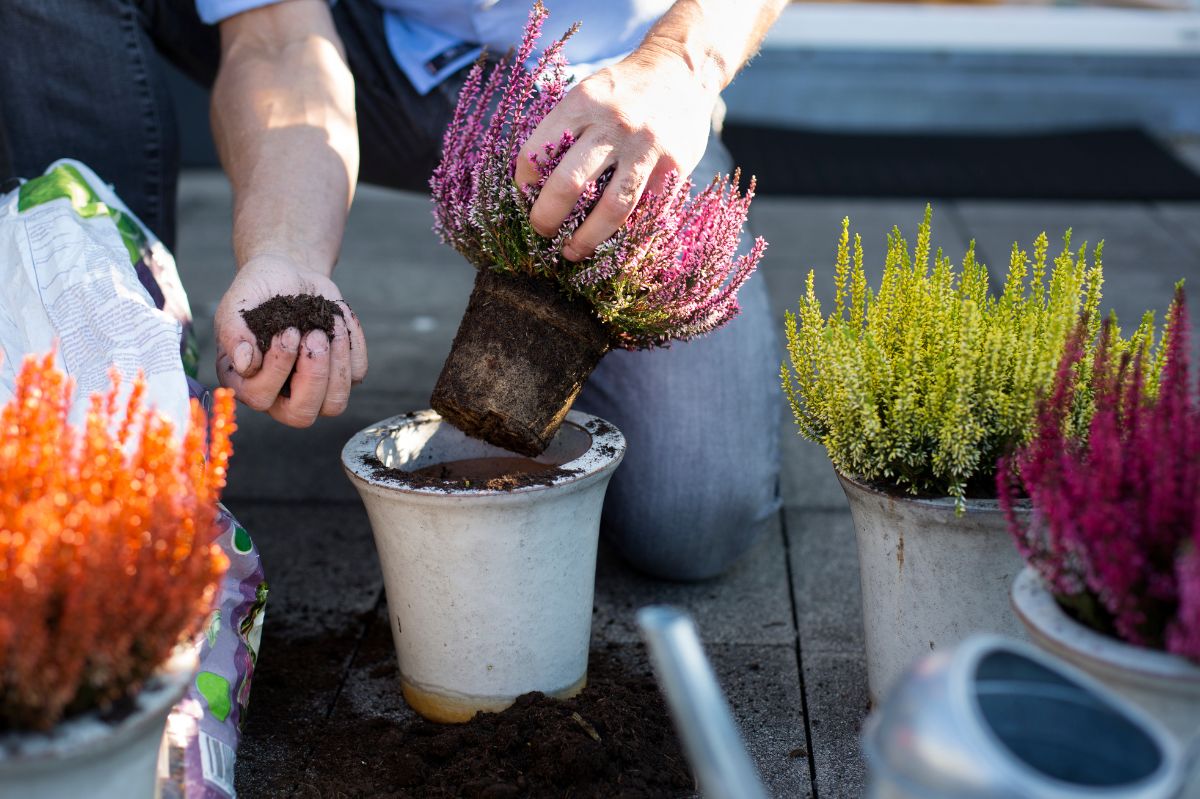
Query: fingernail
point(317, 343)
point(289, 340)
point(570, 253)
point(242, 356)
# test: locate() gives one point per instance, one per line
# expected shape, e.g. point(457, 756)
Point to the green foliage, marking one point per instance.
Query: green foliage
point(926, 382)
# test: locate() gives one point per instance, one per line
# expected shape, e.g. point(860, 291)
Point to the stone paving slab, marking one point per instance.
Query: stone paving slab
point(1183, 220)
point(824, 573)
point(749, 604)
point(835, 685)
point(1143, 257)
point(803, 234)
point(280, 463)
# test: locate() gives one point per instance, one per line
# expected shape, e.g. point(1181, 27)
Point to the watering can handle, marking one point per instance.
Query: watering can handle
point(702, 717)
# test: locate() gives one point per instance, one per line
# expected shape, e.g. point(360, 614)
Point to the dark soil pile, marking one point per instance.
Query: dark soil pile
point(304, 312)
point(492, 474)
point(613, 741)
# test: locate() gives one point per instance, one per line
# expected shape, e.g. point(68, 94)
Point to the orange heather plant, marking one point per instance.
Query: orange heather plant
point(107, 558)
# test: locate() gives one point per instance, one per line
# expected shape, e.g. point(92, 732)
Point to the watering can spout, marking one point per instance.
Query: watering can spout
point(702, 717)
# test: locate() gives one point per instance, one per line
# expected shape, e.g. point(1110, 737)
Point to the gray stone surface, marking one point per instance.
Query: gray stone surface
point(824, 573)
point(749, 604)
point(763, 689)
point(835, 685)
point(1142, 258)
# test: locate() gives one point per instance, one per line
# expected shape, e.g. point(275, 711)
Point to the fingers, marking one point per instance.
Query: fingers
point(620, 197)
point(235, 338)
point(309, 385)
point(337, 393)
point(260, 391)
point(358, 345)
point(584, 162)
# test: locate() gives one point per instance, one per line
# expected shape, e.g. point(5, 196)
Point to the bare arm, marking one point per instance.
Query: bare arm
point(646, 115)
point(283, 120)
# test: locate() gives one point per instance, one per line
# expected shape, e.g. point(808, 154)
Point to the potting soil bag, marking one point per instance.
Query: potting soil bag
point(80, 272)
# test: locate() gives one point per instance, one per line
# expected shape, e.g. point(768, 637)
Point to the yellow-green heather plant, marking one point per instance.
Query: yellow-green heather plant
point(925, 383)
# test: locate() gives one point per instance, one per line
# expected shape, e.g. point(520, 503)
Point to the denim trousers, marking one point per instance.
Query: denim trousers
point(83, 79)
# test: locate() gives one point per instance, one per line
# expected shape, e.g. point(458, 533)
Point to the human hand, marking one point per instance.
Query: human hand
point(324, 369)
point(646, 116)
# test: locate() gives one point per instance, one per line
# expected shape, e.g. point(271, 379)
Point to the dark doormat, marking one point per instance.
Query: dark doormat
point(1121, 164)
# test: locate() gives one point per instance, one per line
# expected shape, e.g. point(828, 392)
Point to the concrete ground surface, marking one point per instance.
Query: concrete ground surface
point(783, 628)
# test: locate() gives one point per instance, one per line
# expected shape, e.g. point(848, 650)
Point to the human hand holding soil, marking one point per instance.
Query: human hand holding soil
point(317, 368)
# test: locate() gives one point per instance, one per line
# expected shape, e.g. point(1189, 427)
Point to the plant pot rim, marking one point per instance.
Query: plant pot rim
point(1040, 612)
point(87, 735)
point(933, 503)
point(605, 452)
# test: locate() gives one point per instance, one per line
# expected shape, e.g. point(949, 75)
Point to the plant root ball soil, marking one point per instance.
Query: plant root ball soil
point(305, 312)
point(612, 741)
point(522, 353)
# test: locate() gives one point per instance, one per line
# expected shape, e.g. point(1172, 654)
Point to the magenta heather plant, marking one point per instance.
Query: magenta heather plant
point(671, 272)
point(1115, 532)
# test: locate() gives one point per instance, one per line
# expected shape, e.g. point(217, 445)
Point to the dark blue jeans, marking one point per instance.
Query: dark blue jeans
point(81, 78)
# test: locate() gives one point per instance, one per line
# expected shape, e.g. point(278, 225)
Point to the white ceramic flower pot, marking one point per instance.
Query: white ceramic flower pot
point(88, 757)
point(489, 592)
point(1166, 686)
point(930, 577)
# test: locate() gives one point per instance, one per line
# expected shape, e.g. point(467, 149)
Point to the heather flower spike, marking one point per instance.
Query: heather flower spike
point(671, 272)
point(1116, 524)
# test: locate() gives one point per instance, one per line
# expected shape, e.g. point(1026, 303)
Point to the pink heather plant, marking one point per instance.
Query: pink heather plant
point(671, 272)
point(1116, 524)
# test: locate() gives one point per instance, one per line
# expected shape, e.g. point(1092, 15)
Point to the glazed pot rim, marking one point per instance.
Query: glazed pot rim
point(1040, 612)
point(604, 453)
point(87, 735)
point(941, 503)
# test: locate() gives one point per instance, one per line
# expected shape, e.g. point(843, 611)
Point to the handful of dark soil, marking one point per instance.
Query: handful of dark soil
point(305, 312)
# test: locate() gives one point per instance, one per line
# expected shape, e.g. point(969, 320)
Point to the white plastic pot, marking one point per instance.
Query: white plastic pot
point(489, 592)
point(1164, 685)
point(89, 757)
point(930, 577)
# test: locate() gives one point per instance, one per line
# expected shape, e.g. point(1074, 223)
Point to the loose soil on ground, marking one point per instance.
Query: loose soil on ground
point(613, 741)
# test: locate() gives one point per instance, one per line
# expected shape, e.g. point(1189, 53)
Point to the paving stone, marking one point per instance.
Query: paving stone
point(807, 479)
point(325, 582)
point(824, 560)
point(803, 234)
point(747, 605)
point(1183, 220)
point(763, 688)
point(1143, 258)
point(835, 685)
point(276, 462)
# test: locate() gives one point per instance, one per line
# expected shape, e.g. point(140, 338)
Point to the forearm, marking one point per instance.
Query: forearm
point(284, 125)
point(715, 38)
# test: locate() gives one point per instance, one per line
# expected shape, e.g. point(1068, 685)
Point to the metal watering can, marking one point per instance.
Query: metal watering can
point(998, 719)
point(991, 719)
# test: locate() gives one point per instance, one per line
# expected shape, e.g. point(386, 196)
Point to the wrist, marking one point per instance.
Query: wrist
point(703, 64)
